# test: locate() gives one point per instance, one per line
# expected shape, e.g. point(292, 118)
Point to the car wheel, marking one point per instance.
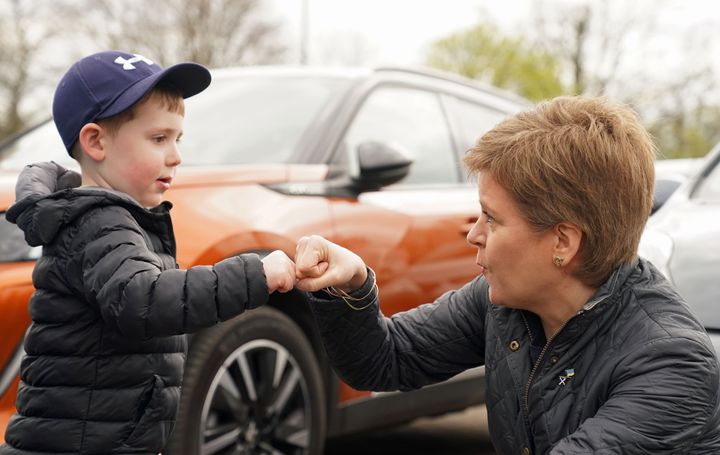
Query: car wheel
point(252, 385)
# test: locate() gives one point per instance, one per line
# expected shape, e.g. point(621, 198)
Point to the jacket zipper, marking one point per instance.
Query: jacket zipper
point(527, 326)
point(540, 358)
point(542, 353)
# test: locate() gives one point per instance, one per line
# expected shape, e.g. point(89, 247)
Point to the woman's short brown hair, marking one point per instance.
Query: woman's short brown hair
point(583, 160)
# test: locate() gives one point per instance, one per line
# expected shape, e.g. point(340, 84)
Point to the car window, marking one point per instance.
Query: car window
point(13, 247)
point(237, 120)
point(41, 144)
point(475, 120)
point(412, 120)
point(254, 119)
point(709, 189)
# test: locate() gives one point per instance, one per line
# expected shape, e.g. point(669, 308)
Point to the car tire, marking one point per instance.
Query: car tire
point(283, 410)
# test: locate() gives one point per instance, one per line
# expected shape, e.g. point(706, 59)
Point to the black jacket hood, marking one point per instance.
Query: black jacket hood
point(48, 196)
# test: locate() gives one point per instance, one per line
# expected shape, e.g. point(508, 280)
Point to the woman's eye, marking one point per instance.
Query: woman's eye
point(158, 139)
point(488, 219)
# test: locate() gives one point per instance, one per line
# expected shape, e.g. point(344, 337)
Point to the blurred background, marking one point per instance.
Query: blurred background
point(659, 56)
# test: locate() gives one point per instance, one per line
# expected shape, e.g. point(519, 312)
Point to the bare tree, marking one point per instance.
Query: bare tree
point(14, 55)
point(624, 50)
point(686, 118)
point(40, 38)
point(594, 40)
point(29, 31)
point(682, 104)
point(215, 33)
point(22, 38)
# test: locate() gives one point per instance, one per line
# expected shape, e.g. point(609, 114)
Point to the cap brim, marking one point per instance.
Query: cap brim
point(189, 78)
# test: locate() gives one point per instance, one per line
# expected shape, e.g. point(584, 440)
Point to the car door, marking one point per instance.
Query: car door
point(694, 227)
point(412, 233)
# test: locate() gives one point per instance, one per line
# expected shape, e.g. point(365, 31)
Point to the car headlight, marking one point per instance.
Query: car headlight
point(13, 247)
point(656, 247)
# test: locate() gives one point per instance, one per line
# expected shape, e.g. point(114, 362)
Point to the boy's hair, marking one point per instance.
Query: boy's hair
point(584, 160)
point(169, 97)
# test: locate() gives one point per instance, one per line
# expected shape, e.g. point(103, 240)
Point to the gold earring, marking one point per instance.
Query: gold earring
point(558, 261)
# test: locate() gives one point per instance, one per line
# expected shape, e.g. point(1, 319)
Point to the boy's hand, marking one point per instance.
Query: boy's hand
point(321, 263)
point(279, 272)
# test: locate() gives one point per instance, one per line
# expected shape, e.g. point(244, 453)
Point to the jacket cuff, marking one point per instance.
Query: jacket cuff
point(365, 293)
point(257, 282)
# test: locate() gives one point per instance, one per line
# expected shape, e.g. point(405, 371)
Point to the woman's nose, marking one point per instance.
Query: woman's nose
point(476, 236)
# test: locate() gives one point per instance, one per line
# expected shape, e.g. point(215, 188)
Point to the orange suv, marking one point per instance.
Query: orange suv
point(370, 159)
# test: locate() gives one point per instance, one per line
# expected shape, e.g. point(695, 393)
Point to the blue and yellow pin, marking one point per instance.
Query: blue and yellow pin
point(569, 373)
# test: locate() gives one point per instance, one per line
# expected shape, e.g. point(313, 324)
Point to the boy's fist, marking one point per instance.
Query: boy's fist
point(279, 272)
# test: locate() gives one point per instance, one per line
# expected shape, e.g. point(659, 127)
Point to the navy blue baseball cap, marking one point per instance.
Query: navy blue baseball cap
point(104, 84)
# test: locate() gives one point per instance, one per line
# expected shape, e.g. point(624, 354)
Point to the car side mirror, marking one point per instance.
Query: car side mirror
point(381, 165)
point(663, 190)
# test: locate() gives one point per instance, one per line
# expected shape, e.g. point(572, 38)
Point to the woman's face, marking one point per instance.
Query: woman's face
point(515, 259)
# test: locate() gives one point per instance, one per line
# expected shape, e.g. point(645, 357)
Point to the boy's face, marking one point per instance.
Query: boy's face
point(140, 159)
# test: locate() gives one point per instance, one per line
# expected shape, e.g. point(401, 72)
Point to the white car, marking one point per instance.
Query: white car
point(682, 239)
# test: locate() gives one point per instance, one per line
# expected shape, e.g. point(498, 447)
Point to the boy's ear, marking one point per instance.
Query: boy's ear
point(91, 141)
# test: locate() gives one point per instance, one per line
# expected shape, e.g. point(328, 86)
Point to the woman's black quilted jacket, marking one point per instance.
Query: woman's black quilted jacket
point(640, 374)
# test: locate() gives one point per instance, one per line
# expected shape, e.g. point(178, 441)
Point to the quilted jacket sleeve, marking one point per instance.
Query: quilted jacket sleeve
point(127, 282)
point(425, 345)
point(666, 395)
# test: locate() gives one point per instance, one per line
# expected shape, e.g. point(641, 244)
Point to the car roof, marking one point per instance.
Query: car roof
point(393, 73)
point(456, 79)
point(340, 72)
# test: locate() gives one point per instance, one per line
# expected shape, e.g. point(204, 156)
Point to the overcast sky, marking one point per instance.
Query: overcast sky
point(399, 32)
point(372, 32)
point(377, 32)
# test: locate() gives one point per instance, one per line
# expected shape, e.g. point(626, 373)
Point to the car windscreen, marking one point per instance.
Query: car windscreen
point(42, 143)
point(237, 120)
point(254, 119)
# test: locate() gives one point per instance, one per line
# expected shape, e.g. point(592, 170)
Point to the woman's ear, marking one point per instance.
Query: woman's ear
point(568, 240)
point(91, 141)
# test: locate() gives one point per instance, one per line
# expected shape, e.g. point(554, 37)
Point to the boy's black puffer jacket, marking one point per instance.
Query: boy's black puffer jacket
point(105, 350)
point(634, 372)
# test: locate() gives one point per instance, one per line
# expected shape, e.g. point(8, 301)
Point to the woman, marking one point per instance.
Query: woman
point(587, 348)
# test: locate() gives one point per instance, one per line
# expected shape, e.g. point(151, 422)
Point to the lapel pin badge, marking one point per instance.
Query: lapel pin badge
point(569, 373)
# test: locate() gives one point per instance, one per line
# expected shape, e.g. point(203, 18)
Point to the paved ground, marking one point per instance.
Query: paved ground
point(462, 433)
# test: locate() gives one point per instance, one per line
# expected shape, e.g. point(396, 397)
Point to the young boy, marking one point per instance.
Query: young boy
point(105, 352)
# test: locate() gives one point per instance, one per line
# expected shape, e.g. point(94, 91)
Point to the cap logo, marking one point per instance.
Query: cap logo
point(127, 64)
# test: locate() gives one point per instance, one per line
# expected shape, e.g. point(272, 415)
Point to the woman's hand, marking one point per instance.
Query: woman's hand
point(320, 263)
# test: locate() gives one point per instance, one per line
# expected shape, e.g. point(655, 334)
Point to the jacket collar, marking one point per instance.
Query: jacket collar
point(48, 197)
point(601, 304)
point(610, 286)
point(604, 304)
